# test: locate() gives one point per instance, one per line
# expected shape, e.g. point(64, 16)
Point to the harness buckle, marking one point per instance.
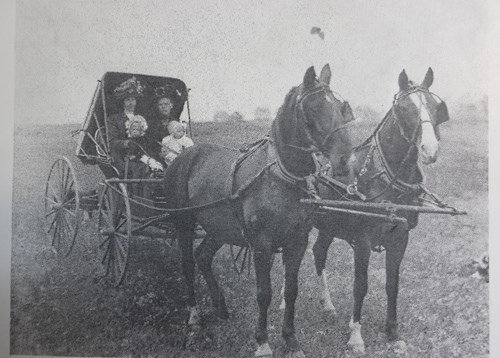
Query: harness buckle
point(352, 189)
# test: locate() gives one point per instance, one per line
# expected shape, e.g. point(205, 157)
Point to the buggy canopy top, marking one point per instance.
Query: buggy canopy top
point(93, 146)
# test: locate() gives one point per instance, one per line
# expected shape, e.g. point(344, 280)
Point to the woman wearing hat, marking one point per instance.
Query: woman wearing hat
point(118, 129)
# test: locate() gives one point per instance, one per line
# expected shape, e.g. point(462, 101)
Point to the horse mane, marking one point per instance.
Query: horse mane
point(297, 163)
point(285, 104)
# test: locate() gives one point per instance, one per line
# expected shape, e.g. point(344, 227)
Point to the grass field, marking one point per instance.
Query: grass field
point(62, 307)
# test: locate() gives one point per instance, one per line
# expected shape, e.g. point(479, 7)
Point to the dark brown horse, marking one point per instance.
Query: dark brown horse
point(387, 168)
point(253, 200)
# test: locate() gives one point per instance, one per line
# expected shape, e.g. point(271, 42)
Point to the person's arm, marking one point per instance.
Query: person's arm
point(116, 142)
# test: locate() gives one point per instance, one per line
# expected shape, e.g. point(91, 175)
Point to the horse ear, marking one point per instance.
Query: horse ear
point(309, 77)
point(403, 81)
point(325, 75)
point(429, 78)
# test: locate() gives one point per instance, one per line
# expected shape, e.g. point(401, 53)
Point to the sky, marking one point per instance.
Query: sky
point(238, 55)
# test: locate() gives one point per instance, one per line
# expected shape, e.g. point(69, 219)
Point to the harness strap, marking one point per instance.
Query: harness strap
point(392, 178)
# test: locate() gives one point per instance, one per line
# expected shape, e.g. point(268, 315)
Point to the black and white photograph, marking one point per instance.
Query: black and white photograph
point(233, 179)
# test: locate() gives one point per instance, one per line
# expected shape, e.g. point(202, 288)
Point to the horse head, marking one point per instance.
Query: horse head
point(418, 113)
point(313, 119)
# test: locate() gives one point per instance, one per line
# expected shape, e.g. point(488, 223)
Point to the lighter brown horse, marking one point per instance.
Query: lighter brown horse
point(254, 201)
point(387, 168)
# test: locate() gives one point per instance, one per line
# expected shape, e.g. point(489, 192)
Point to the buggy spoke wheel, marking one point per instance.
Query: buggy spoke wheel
point(62, 206)
point(51, 200)
point(69, 212)
point(50, 213)
point(115, 231)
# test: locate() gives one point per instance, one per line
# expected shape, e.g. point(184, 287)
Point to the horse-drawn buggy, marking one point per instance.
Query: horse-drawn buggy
point(266, 197)
point(127, 203)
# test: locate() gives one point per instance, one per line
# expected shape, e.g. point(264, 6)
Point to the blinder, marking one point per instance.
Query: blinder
point(347, 112)
point(442, 113)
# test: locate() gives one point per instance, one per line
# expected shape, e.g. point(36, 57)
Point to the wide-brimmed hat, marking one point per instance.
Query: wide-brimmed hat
point(167, 91)
point(130, 88)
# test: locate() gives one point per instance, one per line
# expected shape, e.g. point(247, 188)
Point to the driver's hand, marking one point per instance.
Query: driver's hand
point(155, 165)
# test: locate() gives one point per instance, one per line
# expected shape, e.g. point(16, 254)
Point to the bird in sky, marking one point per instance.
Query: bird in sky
point(317, 31)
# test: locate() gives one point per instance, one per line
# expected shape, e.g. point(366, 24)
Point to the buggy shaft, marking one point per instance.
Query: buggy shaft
point(391, 219)
point(128, 181)
point(381, 206)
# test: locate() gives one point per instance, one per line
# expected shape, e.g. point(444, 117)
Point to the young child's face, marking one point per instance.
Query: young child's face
point(135, 130)
point(178, 132)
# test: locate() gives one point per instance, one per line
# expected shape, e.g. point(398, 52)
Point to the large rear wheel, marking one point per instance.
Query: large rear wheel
point(62, 206)
point(115, 230)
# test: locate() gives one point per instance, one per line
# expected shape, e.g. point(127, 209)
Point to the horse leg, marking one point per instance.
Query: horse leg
point(362, 252)
point(188, 263)
point(320, 252)
point(395, 251)
point(262, 263)
point(292, 258)
point(204, 254)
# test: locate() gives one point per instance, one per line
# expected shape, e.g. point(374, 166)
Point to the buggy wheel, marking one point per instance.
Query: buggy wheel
point(62, 206)
point(115, 230)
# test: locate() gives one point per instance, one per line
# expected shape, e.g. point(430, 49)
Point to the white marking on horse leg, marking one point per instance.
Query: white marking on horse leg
point(264, 350)
point(194, 316)
point(356, 341)
point(282, 294)
point(312, 237)
point(325, 298)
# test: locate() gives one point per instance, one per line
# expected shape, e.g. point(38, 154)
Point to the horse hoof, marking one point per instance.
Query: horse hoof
point(264, 351)
point(297, 354)
point(328, 306)
point(357, 349)
point(391, 331)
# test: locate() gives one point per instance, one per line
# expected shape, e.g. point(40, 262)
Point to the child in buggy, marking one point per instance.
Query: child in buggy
point(138, 148)
point(175, 143)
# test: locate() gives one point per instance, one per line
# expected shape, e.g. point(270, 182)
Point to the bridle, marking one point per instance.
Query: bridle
point(403, 94)
point(394, 175)
point(300, 114)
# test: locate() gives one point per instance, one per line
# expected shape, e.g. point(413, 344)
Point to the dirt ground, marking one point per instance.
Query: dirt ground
point(63, 307)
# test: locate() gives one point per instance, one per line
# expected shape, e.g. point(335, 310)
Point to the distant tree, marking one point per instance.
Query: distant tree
point(221, 116)
point(236, 117)
point(262, 114)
